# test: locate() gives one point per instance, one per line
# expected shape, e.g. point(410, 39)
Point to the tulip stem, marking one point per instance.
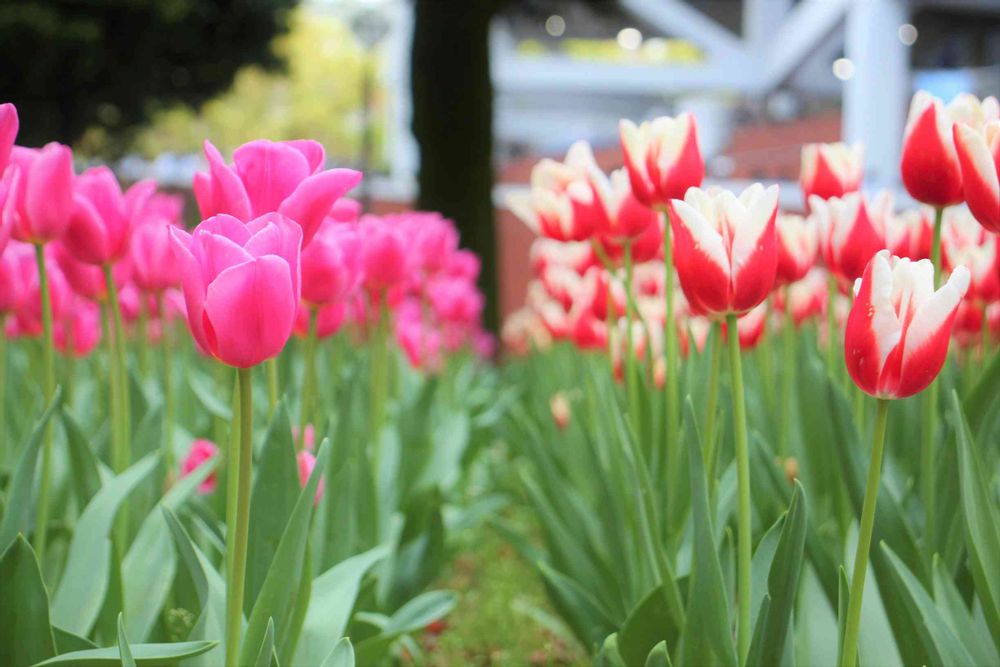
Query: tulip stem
point(120, 444)
point(145, 363)
point(712, 403)
point(49, 387)
point(849, 651)
point(168, 391)
point(927, 471)
point(672, 447)
point(629, 353)
point(272, 385)
point(240, 463)
point(787, 375)
point(743, 555)
point(309, 378)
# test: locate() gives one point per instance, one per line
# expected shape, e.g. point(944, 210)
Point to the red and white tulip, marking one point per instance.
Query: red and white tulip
point(662, 157)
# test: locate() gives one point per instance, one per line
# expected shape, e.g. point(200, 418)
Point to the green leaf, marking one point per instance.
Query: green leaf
point(938, 636)
point(266, 646)
point(85, 580)
point(708, 630)
point(843, 602)
point(66, 641)
point(645, 626)
point(83, 462)
point(209, 587)
point(659, 656)
point(123, 648)
point(19, 501)
point(413, 616)
point(590, 620)
point(982, 524)
point(206, 393)
point(342, 655)
point(25, 633)
point(145, 655)
point(275, 490)
point(149, 566)
point(333, 596)
point(970, 629)
point(978, 401)
point(276, 594)
point(772, 627)
point(609, 655)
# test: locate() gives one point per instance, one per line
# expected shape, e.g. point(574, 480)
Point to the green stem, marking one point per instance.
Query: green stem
point(236, 575)
point(143, 344)
point(168, 391)
point(49, 387)
point(120, 457)
point(309, 379)
point(743, 555)
point(767, 359)
point(671, 445)
point(712, 402)
point(849, 652)
point(927, 471)
point(787, 376)
point(379, 372)
point(628, 355)
point(272, 385)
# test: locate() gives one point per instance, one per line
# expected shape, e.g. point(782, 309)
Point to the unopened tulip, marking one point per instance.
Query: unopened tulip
point(329, 320)
point(898, 329)
point(331, 265)
point(725, 252)
point(662, 158)
point(831, 170)
point(560, 204)
point(8, 132)
point(808, 296)
point(100, 228)
point(345, 209)
point(241, 285)
point(798, 244)
point(40, 202)
point(852, 230)
point(86, 279)
point(201, 451)
point(559, 407)
point(979, 156)
point(273, 177)
point(306, 462)
point(930, 164)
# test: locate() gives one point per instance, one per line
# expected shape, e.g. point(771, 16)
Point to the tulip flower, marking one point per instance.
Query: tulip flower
point(17, 268)
point(831, 170)
point(88, 280)
point(965, 243)
point(798, 244)
point(8, 133)
point(852, 229)
point(201, 451)
point(273, 177)
point(40, 202)
point(329, 320)
point(930, 165)
point(306, 462)
point(911, 233)
point(726, 250)
point(78, 332)
point(331, 265)
point(895, 345)
point(750, 328)
point(898, 328)
point(662, 158)
point(979, 157)
point(559, 407)
point(617, 214)
point(805, 298)
point(522, 331)
point(100, 226)
point(241, 285)
point(560, 204)
point(154, 267)
point(384, 254)
point(345, 209)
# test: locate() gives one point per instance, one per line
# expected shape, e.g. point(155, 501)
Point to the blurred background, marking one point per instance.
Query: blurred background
point(447, 104)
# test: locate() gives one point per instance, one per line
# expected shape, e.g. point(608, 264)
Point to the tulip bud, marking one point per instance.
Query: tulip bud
point(979, 157)
point(40, 201)
point(100, 227)
point(241, 285)
point(662, 158)
point(306, 462)
point(930, 164)
point(831, 170)
point(898, 328)
point(725, 250)
point(201, 451)
point(559, 406)
point(8, 134)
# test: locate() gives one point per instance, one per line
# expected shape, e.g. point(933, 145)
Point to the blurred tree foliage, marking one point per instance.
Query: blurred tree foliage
point(317, 95)
point(70, 65)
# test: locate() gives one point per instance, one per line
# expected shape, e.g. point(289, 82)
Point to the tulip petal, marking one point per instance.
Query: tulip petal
point(192, 284)
point(980, 179)
point(309, 204)
point(274, 234)
point(250, 310)
point(872, 329)
point(934, 314)
point(227, 193)
point(86, 237)
point(700, 258)
point(270, 172)
point(312, 151)
point(8, 132)
point(49, 192)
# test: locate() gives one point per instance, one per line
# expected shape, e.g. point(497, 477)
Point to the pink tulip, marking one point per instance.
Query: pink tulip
point(307, 462)
point(241, 285)
point(273, 177)
point(421, 344)
point(309, 441)
point(29, 315)
point(331, 265)
point(154, 266)
point(17, 268)
point(898, 329)
point(384, 254)
point(88, 280)
point(345, 209)
point(329, 319)
point(78, 332)
point(100, 226)
point(40, 202)
point(979, 157)
point(201, 451)
point(8, 133)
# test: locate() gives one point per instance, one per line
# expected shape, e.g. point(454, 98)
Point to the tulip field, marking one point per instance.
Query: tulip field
point(273, 431)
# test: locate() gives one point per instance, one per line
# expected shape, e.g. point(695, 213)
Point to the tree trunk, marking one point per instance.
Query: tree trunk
point(453, 124)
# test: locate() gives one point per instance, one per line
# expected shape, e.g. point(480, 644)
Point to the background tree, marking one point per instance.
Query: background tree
point(71, 65)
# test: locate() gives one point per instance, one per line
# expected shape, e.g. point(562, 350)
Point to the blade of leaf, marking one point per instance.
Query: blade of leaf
point(145, 655)
point(266, 646)
point(123, 648)
point(659, 656)
point(645, 627)
point(25, 634)
point(86, 468)
point(411, 617)
point(84, 582)
point(342, 655)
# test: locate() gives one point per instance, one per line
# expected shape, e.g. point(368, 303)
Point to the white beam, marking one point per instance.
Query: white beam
point(805, 27)
point(678, 18)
